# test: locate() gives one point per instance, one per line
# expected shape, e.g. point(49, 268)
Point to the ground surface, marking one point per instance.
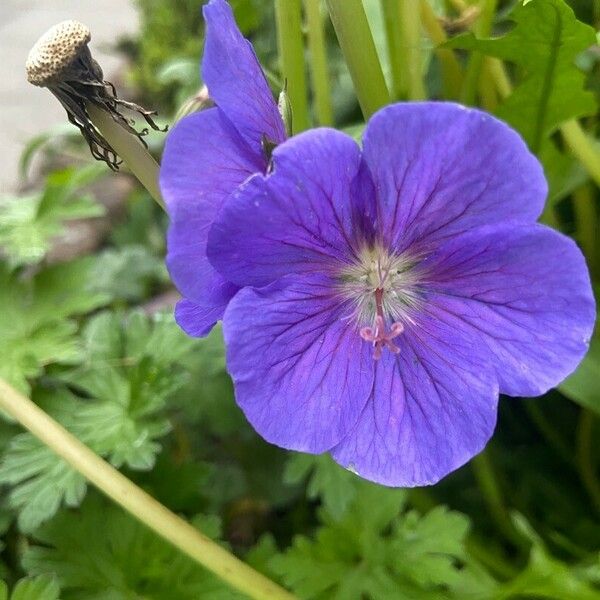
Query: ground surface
point(24, 109)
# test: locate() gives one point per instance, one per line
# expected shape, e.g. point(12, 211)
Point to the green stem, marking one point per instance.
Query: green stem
point(136, 501)
point(452, 74)
point(136, 157)
point(410, 46)
point(483, 28)
point(586, 220)
point(582, 148)
point(354, 35)
point(318, 55)
point(391, 18)
point(288, 15)
point(585, 463)
point(487, 482)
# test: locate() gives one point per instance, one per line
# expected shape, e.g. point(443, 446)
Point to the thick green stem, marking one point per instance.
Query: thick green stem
point(288, 14)
point(582, 148)
point(130, 149)
point(354, 35)
point(410, 46)
point(483, 28)
point(137, 502)
point(318, 59)
point(585, 462)
point(391, 19)
point(587, 224)
point(452, 75)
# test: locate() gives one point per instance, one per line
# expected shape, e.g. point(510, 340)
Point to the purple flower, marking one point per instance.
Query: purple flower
point(388, 296)
point(207, 156)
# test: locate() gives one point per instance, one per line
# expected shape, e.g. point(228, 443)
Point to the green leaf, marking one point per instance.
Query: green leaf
point(583, 385)
point(326, 480)
point(377, 551)
point(35, 324)
point(129, 371)
point(545, 42)
point(101, 553)
point(43, 587)
point(29, 224)
point(128, 273)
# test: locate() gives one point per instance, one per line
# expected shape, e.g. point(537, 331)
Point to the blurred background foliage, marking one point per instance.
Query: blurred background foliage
point(86, 329)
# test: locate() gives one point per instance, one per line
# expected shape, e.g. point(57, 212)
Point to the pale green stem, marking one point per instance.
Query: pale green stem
point(288, 15)
point(482, 29)
point(136, 501)
point(318, 59)
point(393, 31)
point(452, 74)
point(585, 464)
point(410, 47)
point(587, 224)
point(130, 149)
point(582, 148)
point(354, 35)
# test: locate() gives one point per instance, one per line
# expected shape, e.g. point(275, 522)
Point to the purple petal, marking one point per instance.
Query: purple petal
point(525, 291)
point(203, 162)
point(442, 169)
point(235, 79)
point(197, 320)
point(302, 373)
point(433, 407)
point(298, 219)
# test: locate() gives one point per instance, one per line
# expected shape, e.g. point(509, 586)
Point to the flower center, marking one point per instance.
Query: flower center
point(383, 290)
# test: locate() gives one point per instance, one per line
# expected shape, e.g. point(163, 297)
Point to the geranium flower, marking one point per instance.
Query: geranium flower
point(207, 155)
point(390, 295)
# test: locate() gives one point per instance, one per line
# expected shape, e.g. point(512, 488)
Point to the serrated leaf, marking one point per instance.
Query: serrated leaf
point(101, 553)
point(35, 324)
point(545, 42)
point(378, 551)
point(120, 413)
point(29, 224)
point(326, 480)
point(128, 273)
point(44, 587)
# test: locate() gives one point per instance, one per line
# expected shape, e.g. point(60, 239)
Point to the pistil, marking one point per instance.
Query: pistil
point(377, 335)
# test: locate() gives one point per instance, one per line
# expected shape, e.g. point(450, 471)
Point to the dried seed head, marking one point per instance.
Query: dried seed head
point(55, 51)
point(61, 61)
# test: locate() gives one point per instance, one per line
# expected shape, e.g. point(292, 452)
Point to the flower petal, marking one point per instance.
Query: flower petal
point(298, 219)
point(441, 169)
point(526, 292)
point(433, 407)
point(197, 320)
point(302, 373)
point(235, 79)
point(203, 162)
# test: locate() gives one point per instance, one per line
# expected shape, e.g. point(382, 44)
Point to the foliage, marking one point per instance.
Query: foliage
point(83, 340)
point(28, 224)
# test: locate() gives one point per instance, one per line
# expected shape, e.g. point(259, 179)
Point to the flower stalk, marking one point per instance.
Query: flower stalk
point(354, 35)
point(140, 162)
point(318, 59)
point(410, 46)
point(288, 15)
point(452, 75)
point(136, 501)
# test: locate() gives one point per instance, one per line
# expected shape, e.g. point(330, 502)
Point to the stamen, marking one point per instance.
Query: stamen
point(378, 336)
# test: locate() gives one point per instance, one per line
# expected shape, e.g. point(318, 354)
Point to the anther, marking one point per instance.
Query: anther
point(380, 338)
